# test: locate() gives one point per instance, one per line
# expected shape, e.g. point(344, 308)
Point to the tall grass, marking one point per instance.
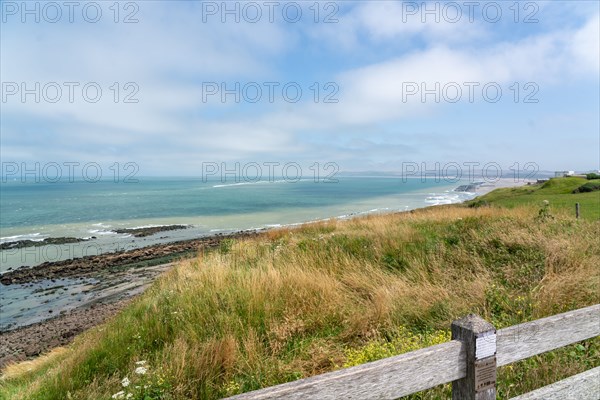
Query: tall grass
point(297, 302)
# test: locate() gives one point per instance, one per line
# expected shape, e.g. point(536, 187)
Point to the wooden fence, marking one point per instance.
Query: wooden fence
point(469, 361)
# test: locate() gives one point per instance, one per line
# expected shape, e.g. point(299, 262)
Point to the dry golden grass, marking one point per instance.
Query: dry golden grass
point(20, 369)
point(291, 302)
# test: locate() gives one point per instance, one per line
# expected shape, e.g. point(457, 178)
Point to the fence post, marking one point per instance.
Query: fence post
point(577, 210)
point(479, 337)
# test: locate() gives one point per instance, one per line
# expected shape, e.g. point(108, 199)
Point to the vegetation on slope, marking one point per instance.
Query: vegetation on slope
point(559, 192)
point(298, 302)
point(588, 187)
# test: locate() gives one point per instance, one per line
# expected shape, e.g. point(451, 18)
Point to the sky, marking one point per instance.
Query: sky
point(172, 86)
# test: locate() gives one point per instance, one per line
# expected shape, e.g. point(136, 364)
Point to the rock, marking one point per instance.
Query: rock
point(31, 350)
point(19, 244)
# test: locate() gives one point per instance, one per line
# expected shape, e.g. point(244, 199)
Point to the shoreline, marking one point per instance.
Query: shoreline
point(119, 277)
point(114, 285)
point(105, 230)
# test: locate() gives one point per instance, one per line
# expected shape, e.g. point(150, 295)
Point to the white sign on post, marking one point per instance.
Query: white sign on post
point(485, 345)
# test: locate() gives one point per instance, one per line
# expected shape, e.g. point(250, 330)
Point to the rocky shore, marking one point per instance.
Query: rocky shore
point(19, 244)
point(151, 230)
point(116, 277)
point(94, 264)
point(32, 340)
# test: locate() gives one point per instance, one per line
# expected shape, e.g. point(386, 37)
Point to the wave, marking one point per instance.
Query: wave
point(101, 232)
point(436, 199)
point(255, 183)
point(34, 237)
point(149, 226)
point(238, 184)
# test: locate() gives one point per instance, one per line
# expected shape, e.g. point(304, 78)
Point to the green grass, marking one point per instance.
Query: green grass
point(293, 303)
point(557, 191)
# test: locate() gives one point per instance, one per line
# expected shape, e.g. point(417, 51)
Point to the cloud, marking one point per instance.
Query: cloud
point(436, 21)
point(586, 46)
point(165, 57)
point(170, 52)
point(379, 91)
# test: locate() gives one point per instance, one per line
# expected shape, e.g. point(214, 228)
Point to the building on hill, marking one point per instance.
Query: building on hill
point(561, 174)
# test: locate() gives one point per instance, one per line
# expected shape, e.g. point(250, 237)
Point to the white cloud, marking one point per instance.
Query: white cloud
point(377, 92)
point(167, 55)
point(170, 52)
point(395, 23)
point(385, 20)
point(586, 46)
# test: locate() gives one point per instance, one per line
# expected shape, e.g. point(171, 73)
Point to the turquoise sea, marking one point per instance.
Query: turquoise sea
point(82, 209)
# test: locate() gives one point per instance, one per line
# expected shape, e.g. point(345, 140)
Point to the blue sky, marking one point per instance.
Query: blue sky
point(369, 56)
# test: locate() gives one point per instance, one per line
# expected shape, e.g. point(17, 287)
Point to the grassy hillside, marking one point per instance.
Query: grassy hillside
point(294, 303)
point(558, 192)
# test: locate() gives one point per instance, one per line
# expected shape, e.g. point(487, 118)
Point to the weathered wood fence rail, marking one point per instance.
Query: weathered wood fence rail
point(469, 361)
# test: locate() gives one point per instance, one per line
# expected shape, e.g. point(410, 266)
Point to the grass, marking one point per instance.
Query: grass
point(298, 302)
point(558, 192)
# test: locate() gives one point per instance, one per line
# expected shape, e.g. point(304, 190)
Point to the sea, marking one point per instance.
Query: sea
point(93, 211)
point(39, 210)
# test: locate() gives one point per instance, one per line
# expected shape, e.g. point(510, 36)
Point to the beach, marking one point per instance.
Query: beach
point(48, 304)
